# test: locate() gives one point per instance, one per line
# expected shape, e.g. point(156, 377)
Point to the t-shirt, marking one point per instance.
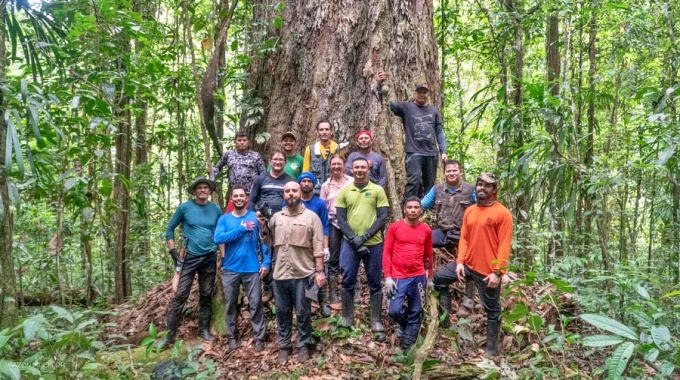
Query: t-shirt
point(407, 250)
point(293, 165)
point(240, 245)
point(269, 189)
point(198, 226)
point(486, 238)
point(243, 167)
point(378, 171)
point(421, 127)
point(318, 207)
point(362, 206)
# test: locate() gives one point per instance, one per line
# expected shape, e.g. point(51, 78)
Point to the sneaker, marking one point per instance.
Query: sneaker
point(258, 346)
point(303, 355)
point(284, 353)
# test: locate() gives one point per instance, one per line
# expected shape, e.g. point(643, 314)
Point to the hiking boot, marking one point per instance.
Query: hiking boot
point(303, 355)
point(444, 309)
point(284, 353)
point(493, 329)
point(347, 308)
point(233, 345)
point(376, 312)
point(258, 346)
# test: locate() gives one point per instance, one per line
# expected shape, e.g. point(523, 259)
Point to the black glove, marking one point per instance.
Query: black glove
point(174, 254)
point(363, 250)
point(357, 241)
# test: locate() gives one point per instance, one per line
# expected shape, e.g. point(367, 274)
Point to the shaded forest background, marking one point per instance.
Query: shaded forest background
point(110, 108)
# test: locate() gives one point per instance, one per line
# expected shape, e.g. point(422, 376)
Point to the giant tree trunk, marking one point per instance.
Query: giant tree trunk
point(329, 55)
point(8, 306)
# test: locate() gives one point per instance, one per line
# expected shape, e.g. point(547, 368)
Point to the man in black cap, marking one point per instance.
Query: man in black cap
point(198, 218)
point(423, 131)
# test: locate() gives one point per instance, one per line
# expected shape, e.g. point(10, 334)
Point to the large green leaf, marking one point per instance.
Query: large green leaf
point(32, 325)
point(10, 369)
point(660, 335)
point(602, 340)
point(619, 360)
point(611, 325)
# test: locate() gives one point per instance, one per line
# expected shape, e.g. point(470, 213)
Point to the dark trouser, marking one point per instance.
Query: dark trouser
point(417, 168)
point(413, 290)
point(205, 266)
point(349, 265)
point(290, 294)
point(446, 239)
point(334, 245)
point(490, 297)
point(251, 286)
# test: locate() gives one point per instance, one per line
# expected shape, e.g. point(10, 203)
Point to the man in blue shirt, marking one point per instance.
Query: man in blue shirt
point(198, 218)
point(239, 232)
point(313, 203)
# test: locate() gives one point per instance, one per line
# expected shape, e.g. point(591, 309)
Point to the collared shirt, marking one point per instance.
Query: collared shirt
point(329, 193)
point(298, 240)
point(362, 207)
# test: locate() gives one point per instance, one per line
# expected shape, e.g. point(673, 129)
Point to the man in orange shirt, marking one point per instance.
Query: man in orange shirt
point(483, 253)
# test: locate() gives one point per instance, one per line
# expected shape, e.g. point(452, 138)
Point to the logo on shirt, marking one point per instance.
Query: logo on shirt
point(367, 194)
point(294, 166)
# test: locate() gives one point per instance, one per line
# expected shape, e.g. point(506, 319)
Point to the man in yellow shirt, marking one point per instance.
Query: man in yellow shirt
point(318, 155)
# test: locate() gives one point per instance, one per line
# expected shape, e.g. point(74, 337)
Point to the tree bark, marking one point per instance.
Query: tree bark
point(329, 55)
point(8, 306)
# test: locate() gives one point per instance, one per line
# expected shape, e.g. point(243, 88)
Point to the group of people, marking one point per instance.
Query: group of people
point(300, 229)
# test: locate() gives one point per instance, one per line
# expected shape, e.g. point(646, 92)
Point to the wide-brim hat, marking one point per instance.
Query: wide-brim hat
point(198, 180)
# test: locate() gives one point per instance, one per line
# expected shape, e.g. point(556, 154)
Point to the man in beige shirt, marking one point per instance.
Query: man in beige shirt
point(297, 236)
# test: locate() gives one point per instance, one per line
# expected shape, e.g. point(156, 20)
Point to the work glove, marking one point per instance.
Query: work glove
point(174, 254)
point(430, 284)
point(390, 288)
point(358, 241)
point(326, 255)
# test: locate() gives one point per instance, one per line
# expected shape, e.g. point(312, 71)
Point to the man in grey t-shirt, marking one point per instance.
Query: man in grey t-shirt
point(424, 133)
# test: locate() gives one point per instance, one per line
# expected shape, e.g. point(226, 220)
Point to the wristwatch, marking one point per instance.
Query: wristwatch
point(320, 271)
point(498, 273)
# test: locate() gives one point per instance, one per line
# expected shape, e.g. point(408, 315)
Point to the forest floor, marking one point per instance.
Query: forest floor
point(353, 354)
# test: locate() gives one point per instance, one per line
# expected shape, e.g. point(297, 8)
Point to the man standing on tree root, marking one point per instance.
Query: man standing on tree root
point(483, 254)
point(407, 258)
point(198, 218)
point(423, 131)
point(362, 212)
point(246, 262)
point(297, 236)
point(449, 201)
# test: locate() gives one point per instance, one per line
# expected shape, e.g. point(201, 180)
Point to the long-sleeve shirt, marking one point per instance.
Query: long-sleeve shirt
point(198, 226)
point(423, 128)
point(298, 242)
point(240, 244)
point(269, 189)
point(407, 250)
point(243, 167)
point(329, 192)
point(486, 238)
point(377, 169)
point(318, 207)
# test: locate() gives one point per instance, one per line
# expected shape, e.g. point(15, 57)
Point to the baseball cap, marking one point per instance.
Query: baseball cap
point(289, 134)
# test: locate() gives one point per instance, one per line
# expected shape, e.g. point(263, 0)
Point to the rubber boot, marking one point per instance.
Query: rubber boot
point(376, 313)
point(171, 323)
point(444, 309)
point(324, 308)
point(493, 329)
point(468, 304)
point(204, 325)
point(347, 308)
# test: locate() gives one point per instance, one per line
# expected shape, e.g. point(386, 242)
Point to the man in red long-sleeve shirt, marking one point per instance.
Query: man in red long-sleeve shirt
point(483, 253)
point(407, 256)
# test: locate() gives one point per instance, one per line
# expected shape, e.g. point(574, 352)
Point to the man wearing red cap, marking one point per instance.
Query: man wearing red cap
point(423, 132)
point(377, 171)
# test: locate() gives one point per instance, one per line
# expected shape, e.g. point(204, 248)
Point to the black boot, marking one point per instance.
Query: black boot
point(493, 329)
point(171, 323)
point(444, 309)
point(204, 325)
point(347, 307)
point(324, 307)
point(376, 312)
point(166, 342)
point(468, 303)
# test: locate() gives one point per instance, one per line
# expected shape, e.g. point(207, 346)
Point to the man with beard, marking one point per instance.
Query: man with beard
point(362, 212)
point(317, 206)
point(293, 160)
point(423, 132)
point(198, 218)
point(376, 164)
point(483, 254)
point(318, 155)
point(239, 232)
point(297, 240)
point(449, 201)
point(407, 258)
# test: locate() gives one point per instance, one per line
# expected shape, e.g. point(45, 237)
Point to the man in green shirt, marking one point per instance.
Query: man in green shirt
point(294, 160)
point(362, 212)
